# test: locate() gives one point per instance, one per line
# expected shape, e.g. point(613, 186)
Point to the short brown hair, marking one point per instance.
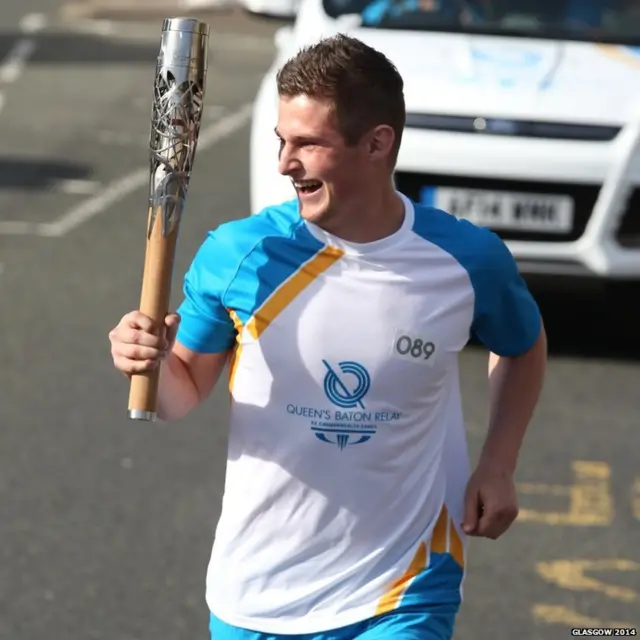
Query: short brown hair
point(363, 84)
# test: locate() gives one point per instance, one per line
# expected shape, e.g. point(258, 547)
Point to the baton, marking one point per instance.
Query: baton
point(178, 97)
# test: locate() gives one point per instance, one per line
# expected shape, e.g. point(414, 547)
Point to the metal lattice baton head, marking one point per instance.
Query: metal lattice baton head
point(176, 116)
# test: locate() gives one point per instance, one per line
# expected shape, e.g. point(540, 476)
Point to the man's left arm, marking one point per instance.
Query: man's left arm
point(508, 322)
point(515, 385)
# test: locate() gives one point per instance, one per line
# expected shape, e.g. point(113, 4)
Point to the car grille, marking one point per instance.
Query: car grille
point(510, 127)
point(584, 197)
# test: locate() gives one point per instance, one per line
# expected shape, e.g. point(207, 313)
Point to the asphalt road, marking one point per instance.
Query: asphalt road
point(105, 524)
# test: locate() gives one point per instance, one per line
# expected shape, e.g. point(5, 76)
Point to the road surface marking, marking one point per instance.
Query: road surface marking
point(590, 499)
point(216, 111)
point(233, 42)
point(33, 22)
point(559, 614)
point(119, 139)
point(78, 187)
point(14, 64)
point(122, 187)
point(103, 28)
point(635, 499)
point(16, 60)
point(573, 575)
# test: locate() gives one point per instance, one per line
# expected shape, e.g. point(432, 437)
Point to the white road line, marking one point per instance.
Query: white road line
point(15, 62)
point(118, 139)
point(122, 187)
point(78, 187)
point(96, 27)
point(33, 22)
point(109, 137)
point(215, 111)
point(10, 69)
point(218, 41)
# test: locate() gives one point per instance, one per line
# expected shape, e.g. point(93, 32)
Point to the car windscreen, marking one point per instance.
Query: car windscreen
point(608, 21)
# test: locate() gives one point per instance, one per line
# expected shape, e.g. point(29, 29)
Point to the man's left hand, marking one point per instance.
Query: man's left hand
point(491, 503)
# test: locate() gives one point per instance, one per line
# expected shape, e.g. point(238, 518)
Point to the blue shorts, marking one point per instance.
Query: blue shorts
point(407, 624)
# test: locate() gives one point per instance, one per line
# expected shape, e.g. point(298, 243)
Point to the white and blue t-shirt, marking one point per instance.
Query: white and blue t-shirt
point(347, 460)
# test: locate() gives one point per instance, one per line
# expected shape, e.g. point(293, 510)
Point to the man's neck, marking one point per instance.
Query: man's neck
point(378, 216)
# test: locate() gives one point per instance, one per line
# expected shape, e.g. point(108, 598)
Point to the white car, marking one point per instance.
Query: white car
point(529, 128)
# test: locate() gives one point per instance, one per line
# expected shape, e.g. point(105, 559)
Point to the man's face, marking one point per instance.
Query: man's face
point(326, 173)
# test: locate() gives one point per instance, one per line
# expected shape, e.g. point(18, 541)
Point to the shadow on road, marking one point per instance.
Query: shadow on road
point(39, 174)
point(78, 48)
point(591, 325)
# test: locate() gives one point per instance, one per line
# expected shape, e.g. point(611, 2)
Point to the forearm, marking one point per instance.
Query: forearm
point(177, 393)
point(515, 386)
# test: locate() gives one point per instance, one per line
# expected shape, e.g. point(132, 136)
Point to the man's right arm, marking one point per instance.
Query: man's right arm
point(186, 379)
point(205, 336)
point(194, 344)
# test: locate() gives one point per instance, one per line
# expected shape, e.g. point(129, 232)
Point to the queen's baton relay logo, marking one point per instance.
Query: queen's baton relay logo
point(339, 391)
point(346, 385)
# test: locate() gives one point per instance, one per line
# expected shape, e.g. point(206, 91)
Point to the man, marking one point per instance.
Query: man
point(348, 499)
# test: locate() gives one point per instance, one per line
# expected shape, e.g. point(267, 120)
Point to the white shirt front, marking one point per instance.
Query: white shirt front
point(347, 458)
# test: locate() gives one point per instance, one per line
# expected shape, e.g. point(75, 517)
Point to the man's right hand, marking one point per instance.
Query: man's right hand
point(138, 345)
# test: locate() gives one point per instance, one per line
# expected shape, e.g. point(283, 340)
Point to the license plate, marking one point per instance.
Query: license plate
point(504, 210)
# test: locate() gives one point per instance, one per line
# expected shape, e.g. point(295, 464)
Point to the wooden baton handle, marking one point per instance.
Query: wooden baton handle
point(154, 302)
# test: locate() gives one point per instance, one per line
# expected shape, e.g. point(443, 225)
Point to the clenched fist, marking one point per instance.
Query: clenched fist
point(138, 345)
point(491, 502)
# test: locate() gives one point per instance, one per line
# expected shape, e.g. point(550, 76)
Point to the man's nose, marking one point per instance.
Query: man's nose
point(288, 162)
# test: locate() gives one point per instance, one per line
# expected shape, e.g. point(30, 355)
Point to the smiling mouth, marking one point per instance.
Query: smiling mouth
point(307, 187)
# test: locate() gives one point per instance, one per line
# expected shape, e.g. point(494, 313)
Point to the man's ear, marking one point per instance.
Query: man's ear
point(380, 142)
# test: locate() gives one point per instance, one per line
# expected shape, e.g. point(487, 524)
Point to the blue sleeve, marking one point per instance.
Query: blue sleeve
point(206, 326)
point(507, 319)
